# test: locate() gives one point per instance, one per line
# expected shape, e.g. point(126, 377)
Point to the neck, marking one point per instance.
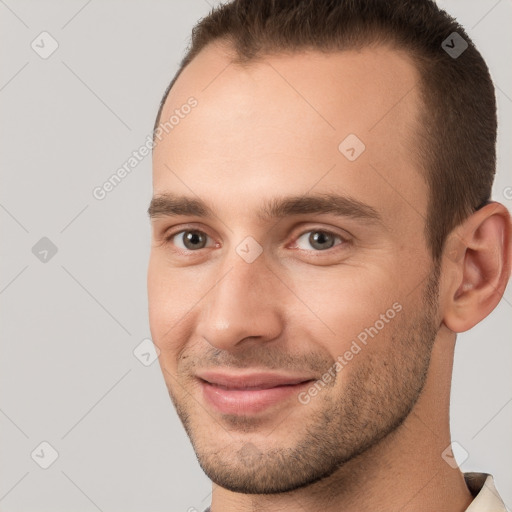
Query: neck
point(403, 472)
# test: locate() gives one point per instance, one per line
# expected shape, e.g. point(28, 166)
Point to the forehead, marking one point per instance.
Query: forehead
point(289, 124)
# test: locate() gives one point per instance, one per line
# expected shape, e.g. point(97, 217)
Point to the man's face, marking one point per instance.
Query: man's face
point(292, 338)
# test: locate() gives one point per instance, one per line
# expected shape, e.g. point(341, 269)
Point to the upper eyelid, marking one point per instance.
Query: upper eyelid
point(341, 233)
point(329, 231)
point(336, 230)
point(302, 232)
point(169, 233)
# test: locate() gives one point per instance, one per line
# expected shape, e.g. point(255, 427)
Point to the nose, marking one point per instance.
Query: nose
point(243, 305)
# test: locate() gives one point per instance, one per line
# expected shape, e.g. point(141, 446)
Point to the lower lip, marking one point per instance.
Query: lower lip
point(248, 401)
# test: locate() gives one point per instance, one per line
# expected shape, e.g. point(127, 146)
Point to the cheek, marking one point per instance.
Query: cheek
point(349, 300)
point(170, 305)
point(157, 299)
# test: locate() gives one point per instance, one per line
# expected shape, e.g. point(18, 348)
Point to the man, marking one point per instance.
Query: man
point(321, 231)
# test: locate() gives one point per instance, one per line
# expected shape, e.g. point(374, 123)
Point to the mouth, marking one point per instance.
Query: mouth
point(247, 394)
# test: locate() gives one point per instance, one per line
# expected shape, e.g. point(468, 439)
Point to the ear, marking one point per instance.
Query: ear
point(476, 266)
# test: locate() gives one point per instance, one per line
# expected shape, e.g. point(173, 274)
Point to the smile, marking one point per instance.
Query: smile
point(250, 393)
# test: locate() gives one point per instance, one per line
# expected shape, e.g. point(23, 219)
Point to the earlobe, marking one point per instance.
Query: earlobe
point(477, 260)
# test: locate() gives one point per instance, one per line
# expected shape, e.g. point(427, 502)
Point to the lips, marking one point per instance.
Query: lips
point(251, 381)
point(249, 393)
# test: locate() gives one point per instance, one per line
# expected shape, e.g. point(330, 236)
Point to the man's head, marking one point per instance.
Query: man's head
point(300, 215)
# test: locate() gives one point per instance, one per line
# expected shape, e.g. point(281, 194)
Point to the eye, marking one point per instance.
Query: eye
point(318, 239)
point(189, 239)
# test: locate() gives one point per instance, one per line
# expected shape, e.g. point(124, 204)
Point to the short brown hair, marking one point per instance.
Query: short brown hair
point(457, 133)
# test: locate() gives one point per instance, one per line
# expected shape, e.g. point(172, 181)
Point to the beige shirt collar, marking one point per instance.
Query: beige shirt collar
point(487, 499)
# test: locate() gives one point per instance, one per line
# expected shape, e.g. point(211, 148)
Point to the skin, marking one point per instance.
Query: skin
point(373, 437)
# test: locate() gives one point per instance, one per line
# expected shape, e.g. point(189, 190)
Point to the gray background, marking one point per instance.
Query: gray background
point(70, 324)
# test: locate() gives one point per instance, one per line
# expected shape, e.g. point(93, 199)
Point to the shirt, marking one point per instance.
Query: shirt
point(485, 495)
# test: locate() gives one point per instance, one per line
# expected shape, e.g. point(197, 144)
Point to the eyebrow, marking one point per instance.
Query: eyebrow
point(171, 205)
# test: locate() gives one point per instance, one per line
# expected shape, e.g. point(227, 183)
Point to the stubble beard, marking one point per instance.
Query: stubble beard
point(375, 401)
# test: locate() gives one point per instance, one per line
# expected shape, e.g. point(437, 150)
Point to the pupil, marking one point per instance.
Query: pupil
point(193, 239)
point(318, 239)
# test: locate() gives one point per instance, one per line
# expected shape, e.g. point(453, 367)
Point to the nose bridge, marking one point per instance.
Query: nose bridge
point(244, 287)
point(241, 304)
point(244, 275)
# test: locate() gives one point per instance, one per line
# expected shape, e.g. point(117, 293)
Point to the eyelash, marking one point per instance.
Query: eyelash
point(168, 239)
point(344, 241)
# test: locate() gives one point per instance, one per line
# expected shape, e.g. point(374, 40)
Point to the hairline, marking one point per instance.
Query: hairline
point(381, 38)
